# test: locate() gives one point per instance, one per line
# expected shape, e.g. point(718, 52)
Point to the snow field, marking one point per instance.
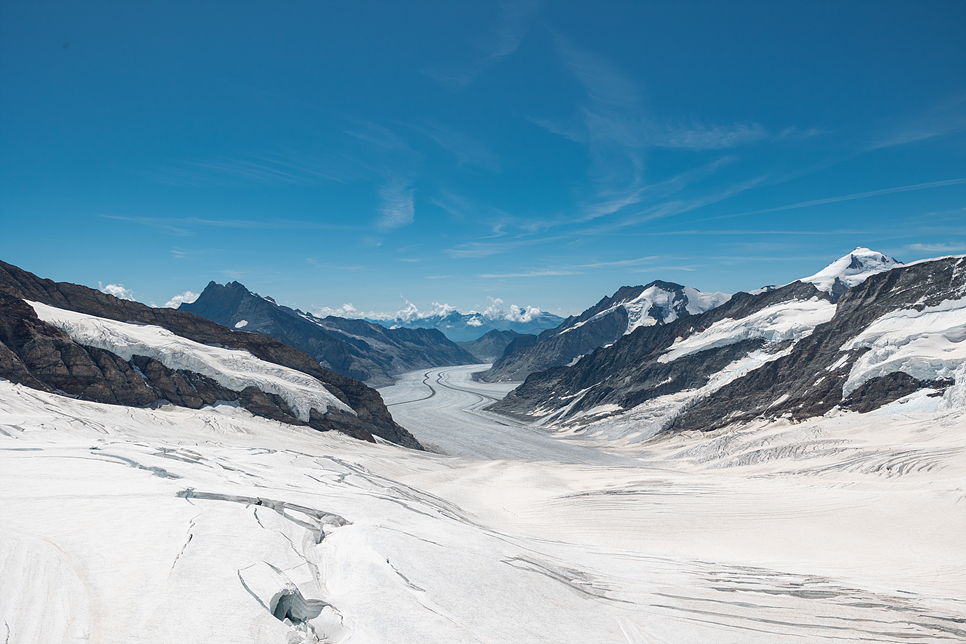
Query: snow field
point(785, 321)
point(187, 525)
point(928, 345)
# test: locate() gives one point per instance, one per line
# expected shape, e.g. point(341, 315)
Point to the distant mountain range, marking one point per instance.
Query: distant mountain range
point(356, 348)
point(795, 351)
point(463, 327)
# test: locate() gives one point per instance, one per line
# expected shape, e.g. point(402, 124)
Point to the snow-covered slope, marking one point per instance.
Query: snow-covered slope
point(927, 344)
point(851, 270)
point(234, 369)
point(657, 303)
point(629, 309)
point(785, 352)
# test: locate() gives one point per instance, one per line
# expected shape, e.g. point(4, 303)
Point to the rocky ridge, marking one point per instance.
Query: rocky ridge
point(739, 368)
point(41, 356)
point(492, 345)
point(355, 348)
point(602, 324)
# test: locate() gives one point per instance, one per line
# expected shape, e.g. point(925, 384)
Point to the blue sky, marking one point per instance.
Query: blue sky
point(541, 153)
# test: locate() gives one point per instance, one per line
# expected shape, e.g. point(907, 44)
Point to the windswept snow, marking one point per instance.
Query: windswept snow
point(851, 270)
point(928, 345)
point(785, 321)
point(231, 368)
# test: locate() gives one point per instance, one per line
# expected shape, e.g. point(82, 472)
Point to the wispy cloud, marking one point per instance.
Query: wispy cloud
point(621, 262)
point(545, 273)
point(182, 226)
point(397, 209)
point(466, 149)
point(514, 23)
point(454, 204)
point(655, 269)
point(950, 247)
point(616, 135)
point(477, 249)
point(285, 166)
point(857, 195)
point(796, 133)
point(946, 118)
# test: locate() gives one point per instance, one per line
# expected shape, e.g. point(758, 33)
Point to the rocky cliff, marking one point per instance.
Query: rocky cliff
point(39, 355)
point(788, 352)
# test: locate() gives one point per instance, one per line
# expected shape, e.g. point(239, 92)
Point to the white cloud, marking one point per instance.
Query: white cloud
point(397, 208)
point(517, 314)
point(344, 311)
point(184, 298)
point(118, 291)
point(495, 311)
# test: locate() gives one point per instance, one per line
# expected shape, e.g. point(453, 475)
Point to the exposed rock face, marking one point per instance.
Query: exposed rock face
point(801, 379)
point(491, 346)
point(630, 371)
point(602, 324)
point(355, 348)
point(808, 382)
point(39, 355)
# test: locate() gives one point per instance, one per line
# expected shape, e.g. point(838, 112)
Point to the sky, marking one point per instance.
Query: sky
point(375, 154)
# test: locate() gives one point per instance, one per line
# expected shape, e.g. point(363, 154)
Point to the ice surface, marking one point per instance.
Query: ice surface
point(231, 368)
point(928, 345)
point(176, 525)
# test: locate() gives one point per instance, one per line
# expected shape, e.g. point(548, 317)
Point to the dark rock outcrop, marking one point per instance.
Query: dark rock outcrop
point(356, 348)
point(42, 356)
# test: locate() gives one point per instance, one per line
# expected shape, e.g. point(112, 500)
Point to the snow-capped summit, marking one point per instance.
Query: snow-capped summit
point(851, 270)
point(462, 327)
point(630, 308)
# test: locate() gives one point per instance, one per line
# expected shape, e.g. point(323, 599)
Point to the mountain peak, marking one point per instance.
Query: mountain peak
point(851, 270)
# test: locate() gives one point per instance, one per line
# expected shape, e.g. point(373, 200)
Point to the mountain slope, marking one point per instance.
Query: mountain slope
point(789, 352)
point(95, 346)
point(491, 345)
point(631, 307)
point(359, 349)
